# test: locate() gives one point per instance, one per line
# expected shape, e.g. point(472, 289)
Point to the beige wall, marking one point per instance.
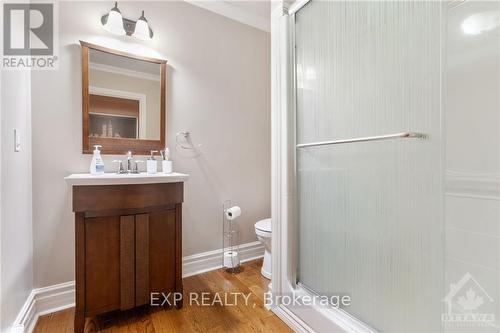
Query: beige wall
point(218, 88)
point(149, 88)
point(16, 221)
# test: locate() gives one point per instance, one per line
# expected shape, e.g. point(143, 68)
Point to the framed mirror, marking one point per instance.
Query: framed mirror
point(124, 104)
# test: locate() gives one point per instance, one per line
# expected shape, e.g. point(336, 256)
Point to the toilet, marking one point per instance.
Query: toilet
point(263, 231)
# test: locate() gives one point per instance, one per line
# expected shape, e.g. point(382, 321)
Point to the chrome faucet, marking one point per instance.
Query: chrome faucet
point(120, 166)
point(132, 166)
point(129, 162)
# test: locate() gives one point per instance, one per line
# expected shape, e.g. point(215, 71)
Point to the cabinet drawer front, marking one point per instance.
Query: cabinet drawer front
point(115, 197)
point(102, 264)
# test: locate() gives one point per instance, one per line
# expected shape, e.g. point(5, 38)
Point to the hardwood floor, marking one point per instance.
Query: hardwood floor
point(237, 316)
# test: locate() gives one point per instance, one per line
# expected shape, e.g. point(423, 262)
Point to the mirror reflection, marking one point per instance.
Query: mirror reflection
point(124, 97)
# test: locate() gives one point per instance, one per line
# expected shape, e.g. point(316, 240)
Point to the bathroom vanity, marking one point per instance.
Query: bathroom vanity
point(128, 240)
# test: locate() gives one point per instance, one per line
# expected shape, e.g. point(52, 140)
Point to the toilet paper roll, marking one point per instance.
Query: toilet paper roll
point(231, 259)
point(233, 212)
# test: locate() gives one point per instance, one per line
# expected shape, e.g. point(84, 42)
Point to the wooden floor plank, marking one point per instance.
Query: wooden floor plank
point(237, 317)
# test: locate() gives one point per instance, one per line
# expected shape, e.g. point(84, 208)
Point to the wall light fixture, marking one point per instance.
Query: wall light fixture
point(116, 24)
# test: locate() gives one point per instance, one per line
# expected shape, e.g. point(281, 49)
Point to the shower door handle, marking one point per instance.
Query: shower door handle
point(403, 135)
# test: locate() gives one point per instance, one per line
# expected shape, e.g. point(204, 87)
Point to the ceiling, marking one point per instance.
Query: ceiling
point(260, 8)
point(256, 13)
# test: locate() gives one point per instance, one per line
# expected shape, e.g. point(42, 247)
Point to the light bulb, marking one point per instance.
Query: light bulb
point(142, 28)
point(114, 23)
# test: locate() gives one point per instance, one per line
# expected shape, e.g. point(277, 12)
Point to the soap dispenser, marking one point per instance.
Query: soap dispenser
point(151, 164)
point(97, 164)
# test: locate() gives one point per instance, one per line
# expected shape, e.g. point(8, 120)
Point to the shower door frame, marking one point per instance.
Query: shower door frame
point(284, 177)
point(284, 195)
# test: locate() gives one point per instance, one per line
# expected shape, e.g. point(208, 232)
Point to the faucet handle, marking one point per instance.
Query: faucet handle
point(120, 166)
point(136, 166)
point(129, 155)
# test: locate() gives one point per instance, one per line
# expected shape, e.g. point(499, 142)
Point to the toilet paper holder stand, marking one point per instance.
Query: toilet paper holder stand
point(230, 240)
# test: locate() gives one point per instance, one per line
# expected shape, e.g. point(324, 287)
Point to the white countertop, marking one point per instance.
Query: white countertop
point(125, 179)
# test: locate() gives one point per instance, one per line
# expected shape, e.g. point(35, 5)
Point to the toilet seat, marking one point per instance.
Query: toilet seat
point(263, 225)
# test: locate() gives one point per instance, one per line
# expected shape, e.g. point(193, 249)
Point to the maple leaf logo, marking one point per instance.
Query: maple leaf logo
point(470, 301)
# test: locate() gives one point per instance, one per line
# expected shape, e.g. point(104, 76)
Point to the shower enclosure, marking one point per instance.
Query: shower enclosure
point(386, 164)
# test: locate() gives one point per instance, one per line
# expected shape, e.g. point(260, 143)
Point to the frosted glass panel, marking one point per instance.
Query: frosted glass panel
point(370, 213)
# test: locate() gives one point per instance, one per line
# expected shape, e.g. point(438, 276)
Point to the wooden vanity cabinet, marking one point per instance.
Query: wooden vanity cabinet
point(128, 245)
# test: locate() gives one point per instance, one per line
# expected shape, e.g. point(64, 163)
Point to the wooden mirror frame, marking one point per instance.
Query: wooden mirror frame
point(113, 145)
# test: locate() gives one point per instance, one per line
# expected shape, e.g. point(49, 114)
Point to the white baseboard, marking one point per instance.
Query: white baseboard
point(294, 322)
point(208, 261)
point(54, 298)
point(42, 301)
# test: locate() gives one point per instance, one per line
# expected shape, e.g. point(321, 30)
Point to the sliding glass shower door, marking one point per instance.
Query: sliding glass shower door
point(369, 159)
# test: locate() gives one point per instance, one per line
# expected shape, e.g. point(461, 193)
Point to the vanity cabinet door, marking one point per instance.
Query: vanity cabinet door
point(102, 264)
point(142, 235)
point(162, 250)
point(134, 260)
point(128, 257)
point(127, 262)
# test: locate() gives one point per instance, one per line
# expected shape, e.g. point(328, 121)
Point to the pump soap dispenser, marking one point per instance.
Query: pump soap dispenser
point(97, 164)
point(151, 163)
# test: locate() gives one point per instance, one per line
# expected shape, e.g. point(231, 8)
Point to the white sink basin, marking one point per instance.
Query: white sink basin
point(125, 179)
